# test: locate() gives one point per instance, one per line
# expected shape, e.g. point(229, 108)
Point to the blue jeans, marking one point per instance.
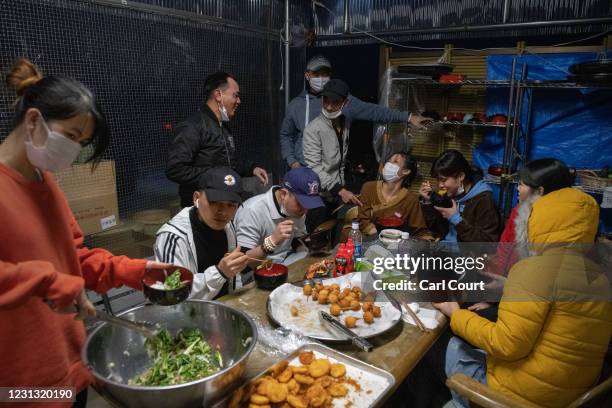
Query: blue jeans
point(463, 358)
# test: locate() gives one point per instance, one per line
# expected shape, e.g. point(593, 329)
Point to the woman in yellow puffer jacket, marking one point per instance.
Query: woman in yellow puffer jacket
point(555, 317)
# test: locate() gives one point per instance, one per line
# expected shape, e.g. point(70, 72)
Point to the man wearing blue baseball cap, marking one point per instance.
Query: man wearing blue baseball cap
point(267, 224)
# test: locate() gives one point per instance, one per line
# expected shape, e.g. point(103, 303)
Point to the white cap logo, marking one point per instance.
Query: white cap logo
point(229, 180)
point(313, 188)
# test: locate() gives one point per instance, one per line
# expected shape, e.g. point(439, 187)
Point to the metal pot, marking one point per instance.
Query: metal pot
point(115, 355)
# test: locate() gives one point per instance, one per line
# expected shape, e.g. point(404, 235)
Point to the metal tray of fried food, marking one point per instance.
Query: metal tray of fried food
point(373, 383)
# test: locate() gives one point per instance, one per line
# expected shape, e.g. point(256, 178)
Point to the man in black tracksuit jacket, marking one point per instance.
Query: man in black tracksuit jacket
point(204, 141)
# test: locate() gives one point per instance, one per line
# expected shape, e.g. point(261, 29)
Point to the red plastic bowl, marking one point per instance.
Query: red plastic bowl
point(389, 222)
point(451, 79)
point(270, 278)
point(453, 116)
point(496, 170)
point(498, 119)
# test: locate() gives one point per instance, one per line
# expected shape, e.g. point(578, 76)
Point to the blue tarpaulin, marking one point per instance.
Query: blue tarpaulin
point(573, 125)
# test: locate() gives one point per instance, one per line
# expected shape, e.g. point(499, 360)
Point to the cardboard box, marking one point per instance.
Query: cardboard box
point(92, 196)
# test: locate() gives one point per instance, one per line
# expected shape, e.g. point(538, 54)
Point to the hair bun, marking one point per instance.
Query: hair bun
point(22, 75)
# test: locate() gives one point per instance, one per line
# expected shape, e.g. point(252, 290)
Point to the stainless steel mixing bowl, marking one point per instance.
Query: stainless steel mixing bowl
point(115, 354)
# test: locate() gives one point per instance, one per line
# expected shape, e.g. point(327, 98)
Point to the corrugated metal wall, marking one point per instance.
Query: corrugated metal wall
point(391, 17)
point(254, 12)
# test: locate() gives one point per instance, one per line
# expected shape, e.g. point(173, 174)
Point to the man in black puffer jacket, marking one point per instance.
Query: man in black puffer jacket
point(204, 141)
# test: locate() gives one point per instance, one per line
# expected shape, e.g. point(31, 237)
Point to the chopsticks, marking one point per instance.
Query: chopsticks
point(342, 205)
point(249, 257)
point(416, 319)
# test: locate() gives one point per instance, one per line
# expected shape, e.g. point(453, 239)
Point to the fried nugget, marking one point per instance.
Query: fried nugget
point(355, 305)
point(307, 290)
point(299, 369)
point(350, 321)
point(306, 357)
point(262, 388)
point(337, 370)
point(259, 399)
point(338, 390)
point(368, 317)
point(324, 381)
point(278, 368)
point(367, 306)
point(293, 387)
point(319, 286)
point(297, 401)
point(260, 406)
point(294, 311)
point(316, 396)
point(277, 392)
point(285, 376)
point(345, 303)
point(335, 310)
point(333, 297)
point(319, 368)
point(303, 379)
point(376, 311)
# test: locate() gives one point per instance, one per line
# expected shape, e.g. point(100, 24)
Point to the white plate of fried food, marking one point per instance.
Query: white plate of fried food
point(297, 308)
point(315, 376)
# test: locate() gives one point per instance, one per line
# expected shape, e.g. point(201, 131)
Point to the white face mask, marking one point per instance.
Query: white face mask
point(391, 172)
point(317, 84)
point(332, 115)
point(56, 154)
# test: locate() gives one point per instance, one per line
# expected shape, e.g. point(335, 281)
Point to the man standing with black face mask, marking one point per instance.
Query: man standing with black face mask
point(306, 106)
point(204, 140)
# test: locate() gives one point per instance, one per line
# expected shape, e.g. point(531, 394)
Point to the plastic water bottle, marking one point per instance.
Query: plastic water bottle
point(357, 240)
point(403, 247)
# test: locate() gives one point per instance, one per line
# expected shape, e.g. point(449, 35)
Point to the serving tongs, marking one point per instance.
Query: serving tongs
point(357, 340)
point(147, 329)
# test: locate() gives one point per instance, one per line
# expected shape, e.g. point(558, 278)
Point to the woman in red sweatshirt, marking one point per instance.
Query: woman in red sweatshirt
point(43, 261)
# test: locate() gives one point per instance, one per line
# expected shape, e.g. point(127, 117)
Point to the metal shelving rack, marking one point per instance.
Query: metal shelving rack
point(518, 88)
point(512, 127)
point(531, 85)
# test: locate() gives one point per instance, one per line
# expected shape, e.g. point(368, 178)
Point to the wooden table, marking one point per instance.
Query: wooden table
point(397, 351)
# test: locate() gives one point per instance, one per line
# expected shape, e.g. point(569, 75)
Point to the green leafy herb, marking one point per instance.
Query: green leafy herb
point(180, 359)
point(174, 280)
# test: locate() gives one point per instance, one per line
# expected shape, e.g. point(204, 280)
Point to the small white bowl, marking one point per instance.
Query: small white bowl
point(390, 243)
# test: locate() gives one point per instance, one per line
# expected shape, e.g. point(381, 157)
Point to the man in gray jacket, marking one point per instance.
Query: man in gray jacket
point(307, 106)
point(325, 143)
